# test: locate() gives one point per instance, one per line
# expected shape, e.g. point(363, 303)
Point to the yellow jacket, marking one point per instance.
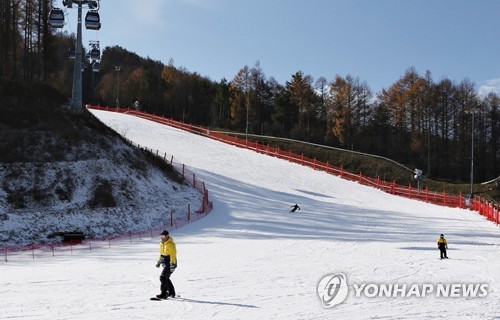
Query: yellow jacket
point(167, 248)
point(442, 241)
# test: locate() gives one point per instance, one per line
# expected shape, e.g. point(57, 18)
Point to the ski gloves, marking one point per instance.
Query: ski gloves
point(172, 266)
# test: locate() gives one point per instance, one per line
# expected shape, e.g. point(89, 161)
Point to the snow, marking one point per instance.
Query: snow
point(135, 211)
point(251, 259)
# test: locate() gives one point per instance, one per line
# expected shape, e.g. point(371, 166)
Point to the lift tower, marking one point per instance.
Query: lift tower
point(92, 22)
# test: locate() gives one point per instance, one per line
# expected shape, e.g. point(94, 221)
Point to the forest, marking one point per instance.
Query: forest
point(435, 125)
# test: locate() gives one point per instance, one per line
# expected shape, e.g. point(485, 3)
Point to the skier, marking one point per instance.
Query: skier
point(294, 208)
point(442, 245)
point(168, 260)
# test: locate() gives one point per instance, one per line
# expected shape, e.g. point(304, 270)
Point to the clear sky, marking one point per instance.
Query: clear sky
point(375, 40)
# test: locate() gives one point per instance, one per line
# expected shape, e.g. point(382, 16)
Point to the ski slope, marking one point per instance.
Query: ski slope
point(251, 259)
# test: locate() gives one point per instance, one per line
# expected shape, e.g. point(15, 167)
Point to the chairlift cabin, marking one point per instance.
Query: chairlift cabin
point(56, 18)
point(92, 20)
point(96, 66)
point(95, 54)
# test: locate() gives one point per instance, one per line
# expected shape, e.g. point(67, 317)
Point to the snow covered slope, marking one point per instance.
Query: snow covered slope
point(82, 177)
point(251, 259)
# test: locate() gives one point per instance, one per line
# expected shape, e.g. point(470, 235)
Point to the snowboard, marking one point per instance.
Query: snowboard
point(158, 299)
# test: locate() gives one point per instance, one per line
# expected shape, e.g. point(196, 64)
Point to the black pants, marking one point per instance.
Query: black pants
point(166, 286)
point(443, 252)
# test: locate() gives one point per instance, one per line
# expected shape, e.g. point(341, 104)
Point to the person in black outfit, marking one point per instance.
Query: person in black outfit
point(442, 245)
point(294, 208)
point(168, 260)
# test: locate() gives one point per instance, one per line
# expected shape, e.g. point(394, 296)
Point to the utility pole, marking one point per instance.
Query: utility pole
point(472, 155)
point(472, 112)
point(118, 68)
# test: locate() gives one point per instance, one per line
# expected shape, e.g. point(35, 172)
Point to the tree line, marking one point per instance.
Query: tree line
point(417, 121)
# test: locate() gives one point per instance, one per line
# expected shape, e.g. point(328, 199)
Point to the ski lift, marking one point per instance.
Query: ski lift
point(96, 66)
point(56, 18)
point(92, 20)
point(95, 54)
point(72, 53)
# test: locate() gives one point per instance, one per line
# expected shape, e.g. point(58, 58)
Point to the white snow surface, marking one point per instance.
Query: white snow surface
point(144, 199)
point(251, 259)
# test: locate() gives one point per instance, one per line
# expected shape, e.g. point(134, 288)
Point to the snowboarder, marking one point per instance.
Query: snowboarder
point(168, 260)
point(294, 208)
point(442, 245)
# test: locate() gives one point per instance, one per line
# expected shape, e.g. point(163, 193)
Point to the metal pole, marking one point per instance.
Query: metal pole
point(248, 102)
point(76, 100)
point(472, 155)
point(118, 68)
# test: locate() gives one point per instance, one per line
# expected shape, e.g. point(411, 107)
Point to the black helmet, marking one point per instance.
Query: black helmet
point(164, 233)
point(442, 235)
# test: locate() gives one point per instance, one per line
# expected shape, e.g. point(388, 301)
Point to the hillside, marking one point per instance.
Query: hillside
point(58, 167)
point(251, 259)
point(62, 171)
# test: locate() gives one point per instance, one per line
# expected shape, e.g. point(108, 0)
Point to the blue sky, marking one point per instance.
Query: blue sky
point(375, 40)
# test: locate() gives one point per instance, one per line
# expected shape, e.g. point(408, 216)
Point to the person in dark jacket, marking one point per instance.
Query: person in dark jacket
point(168, 260)
point(294, 208)
point(442, 245)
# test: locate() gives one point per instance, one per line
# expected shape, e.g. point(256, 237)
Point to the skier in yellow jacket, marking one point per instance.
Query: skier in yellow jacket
point(168, 260)
point(442, 245)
